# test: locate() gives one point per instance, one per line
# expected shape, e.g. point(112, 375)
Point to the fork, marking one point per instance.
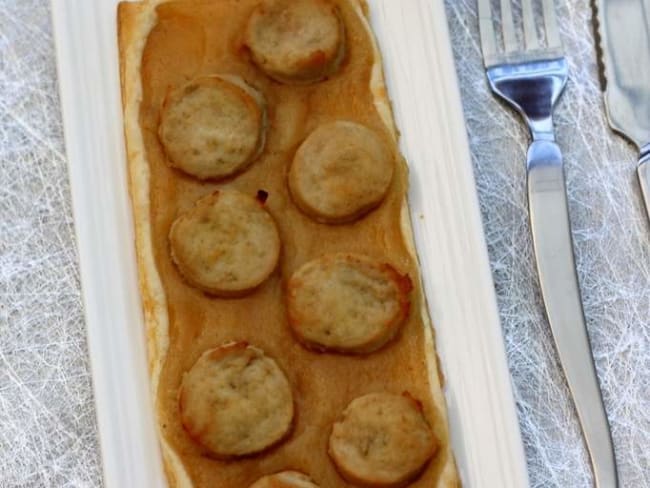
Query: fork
point(531, 79)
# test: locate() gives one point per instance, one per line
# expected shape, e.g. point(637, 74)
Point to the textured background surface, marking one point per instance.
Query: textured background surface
point(47, 424)
point(48, 435)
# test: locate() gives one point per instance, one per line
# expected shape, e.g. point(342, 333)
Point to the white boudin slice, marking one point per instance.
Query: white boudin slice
point(285, 479)
point(341, 172)
point(226, 245)
point(382, 440)
point(213, 127)
point(235, 401)
point(296, 41)
point(348, 303)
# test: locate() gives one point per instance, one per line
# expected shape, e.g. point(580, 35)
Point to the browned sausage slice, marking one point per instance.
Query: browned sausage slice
point(296, 41)
point(236, 401)
point(213, 127)
point(382, 440)
point(347, 303)
point(341, 172)
point(285, 479)
point(227, 245)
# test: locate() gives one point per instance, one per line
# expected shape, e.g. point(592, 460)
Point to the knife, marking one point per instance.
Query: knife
point(551, 230)
point(623, 28)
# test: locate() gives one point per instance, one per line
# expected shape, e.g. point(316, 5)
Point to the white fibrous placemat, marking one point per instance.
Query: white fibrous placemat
point(612, 246)
point(48, 432)
point(48, 435)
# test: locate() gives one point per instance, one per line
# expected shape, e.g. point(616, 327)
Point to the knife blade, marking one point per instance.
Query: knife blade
point(549, 219)
point(623, 28)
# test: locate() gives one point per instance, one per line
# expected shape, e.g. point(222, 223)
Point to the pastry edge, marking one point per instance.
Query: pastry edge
point(135, 21)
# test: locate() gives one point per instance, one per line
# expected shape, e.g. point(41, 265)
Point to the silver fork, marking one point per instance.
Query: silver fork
point(531, 79)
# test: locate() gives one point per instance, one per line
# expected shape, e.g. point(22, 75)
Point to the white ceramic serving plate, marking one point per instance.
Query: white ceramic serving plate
point(449, 237)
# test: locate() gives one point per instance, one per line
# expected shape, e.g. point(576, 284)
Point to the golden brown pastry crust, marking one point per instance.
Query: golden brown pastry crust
point(142, 25)
point(135, 21)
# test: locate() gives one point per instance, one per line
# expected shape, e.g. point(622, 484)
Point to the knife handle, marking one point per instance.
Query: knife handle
point(549, 218)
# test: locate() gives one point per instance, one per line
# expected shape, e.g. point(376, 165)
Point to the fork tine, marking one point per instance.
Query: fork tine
point(486, 28)
point(508, 27)
point(530, 33)
point(550, 21)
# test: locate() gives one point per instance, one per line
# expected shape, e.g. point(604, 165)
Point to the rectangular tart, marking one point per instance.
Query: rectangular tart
point(166, 44)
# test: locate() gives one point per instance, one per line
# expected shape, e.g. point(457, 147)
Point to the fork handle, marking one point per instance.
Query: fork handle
point(549, 218)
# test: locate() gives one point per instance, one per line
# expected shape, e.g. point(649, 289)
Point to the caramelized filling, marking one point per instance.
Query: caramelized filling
point(198, 38)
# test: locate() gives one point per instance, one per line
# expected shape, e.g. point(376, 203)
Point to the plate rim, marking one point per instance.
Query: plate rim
point(86, 48)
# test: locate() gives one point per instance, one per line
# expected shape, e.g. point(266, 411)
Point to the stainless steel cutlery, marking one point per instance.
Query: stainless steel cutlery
point(531, 78)
point(624, 32)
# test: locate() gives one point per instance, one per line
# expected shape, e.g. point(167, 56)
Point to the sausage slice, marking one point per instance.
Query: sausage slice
point(340, 172)
point(213, 127)
point(296, 41)
point(285, 479)
point(348, 303)
point(227, 245)
point(236, 401)
point(382, 440)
